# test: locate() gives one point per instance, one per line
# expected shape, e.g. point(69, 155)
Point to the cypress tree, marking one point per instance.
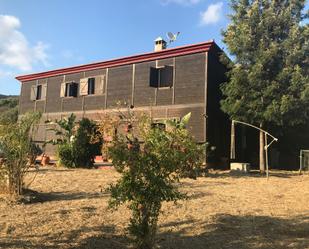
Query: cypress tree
point(268, 81)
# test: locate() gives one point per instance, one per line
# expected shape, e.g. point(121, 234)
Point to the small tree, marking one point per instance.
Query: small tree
point(16, 146)
point(268, 81)
point(151, 160)
point(75, 147)
point(84, 148)
point(64, 130)
point(8, 110)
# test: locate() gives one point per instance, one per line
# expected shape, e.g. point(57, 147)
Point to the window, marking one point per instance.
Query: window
point(70, 89)
point(154, 77)
point(38, 92)
point(91, 86)
point(161, 77)
point(158, 125)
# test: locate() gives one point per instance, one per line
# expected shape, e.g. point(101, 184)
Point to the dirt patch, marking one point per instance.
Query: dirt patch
point(223, 211)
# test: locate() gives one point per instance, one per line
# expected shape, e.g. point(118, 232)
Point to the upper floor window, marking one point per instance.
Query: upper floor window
point(38, 92)
point(161, 77)
point(93, 85)
point(69, 89)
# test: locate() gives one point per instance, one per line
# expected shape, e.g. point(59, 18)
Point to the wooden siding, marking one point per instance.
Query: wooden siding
point(165, 95)
point(53, 100)
point(190, 79)
point(119, 86)
point(143, 94)
point(160, 113)
point(25, 104)
point(189, 88)
point(131, 82)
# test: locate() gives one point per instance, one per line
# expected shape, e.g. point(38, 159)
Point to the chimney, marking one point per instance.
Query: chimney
point(160, 44)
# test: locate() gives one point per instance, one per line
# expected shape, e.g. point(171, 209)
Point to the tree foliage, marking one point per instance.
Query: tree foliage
point(8, 110)
point(151, 160)
point(16, 147)
point(269, 77)
point(75, 147)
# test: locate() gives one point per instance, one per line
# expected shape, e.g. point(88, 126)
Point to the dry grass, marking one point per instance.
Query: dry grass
point(223, 211)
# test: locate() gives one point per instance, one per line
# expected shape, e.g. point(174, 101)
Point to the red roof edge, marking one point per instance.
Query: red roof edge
point(172, 52)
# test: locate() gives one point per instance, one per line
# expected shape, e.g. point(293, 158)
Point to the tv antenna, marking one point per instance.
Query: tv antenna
point(172, 37)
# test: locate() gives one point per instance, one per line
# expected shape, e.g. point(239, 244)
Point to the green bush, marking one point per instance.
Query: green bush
point(74, 141)
point(15, 147)
point(84, 150)
point(65, 155)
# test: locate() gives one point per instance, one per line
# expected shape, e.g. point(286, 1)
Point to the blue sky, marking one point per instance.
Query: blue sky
point(43, 35)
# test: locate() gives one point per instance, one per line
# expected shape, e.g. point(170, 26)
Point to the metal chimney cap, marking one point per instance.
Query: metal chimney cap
point(159, 39)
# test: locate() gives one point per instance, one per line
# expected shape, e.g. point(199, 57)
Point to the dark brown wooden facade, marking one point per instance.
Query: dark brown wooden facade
point(196, 76)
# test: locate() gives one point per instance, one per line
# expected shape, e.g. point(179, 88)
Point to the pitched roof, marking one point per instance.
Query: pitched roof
point(166, 53)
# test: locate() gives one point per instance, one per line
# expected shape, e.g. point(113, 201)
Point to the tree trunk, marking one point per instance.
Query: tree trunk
point(262, 155)
point(15, 185)
point(148, 231)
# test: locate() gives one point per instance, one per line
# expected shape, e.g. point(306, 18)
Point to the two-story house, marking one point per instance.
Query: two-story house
point(167, 83)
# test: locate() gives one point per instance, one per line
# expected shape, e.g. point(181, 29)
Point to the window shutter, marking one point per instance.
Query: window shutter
point(166, 76)
point(33, 92)
point(44, 91)
point(154, 77)
point(99, 84)
point(62, 90)
point(83, 86)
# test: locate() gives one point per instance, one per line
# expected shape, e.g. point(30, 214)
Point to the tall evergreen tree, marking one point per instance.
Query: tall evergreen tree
point(269, 75)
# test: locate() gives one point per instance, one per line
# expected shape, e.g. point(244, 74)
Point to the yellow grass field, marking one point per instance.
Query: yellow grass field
point(223, 211)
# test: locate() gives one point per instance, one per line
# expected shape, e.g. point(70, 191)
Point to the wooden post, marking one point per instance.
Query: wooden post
point(232, 153)
point(266, 155)
point(262, 158)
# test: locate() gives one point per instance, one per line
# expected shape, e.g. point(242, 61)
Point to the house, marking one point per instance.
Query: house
point(169, 83)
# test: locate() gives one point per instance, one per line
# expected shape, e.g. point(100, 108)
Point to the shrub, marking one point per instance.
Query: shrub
point(65, 155)
point(150, 160)
point(15, 146)
point(75, 146)
point(84, 149)
point(35, 151)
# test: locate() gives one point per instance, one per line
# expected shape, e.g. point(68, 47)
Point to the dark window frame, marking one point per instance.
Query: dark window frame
point(70, 89)
point(158, 125)
point(91, 86)
point(39, 90)
point(159, 74)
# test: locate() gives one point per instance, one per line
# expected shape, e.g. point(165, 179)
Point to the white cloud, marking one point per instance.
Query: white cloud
point(15, 50)
point(181, 2)
point(212, 14)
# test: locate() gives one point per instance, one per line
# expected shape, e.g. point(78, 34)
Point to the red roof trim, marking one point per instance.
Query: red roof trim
point(184, 50)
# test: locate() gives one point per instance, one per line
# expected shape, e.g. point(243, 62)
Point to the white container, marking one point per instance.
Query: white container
point(242, 167)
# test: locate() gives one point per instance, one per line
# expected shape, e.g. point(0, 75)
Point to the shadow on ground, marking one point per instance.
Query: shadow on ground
point(32, 196)
point(104, 238)
point(240, 232)
point(226, 232)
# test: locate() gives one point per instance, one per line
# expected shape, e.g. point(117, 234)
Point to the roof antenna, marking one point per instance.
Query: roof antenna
point(172, 37)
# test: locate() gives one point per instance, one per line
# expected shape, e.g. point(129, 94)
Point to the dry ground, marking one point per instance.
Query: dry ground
point(223, 211)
